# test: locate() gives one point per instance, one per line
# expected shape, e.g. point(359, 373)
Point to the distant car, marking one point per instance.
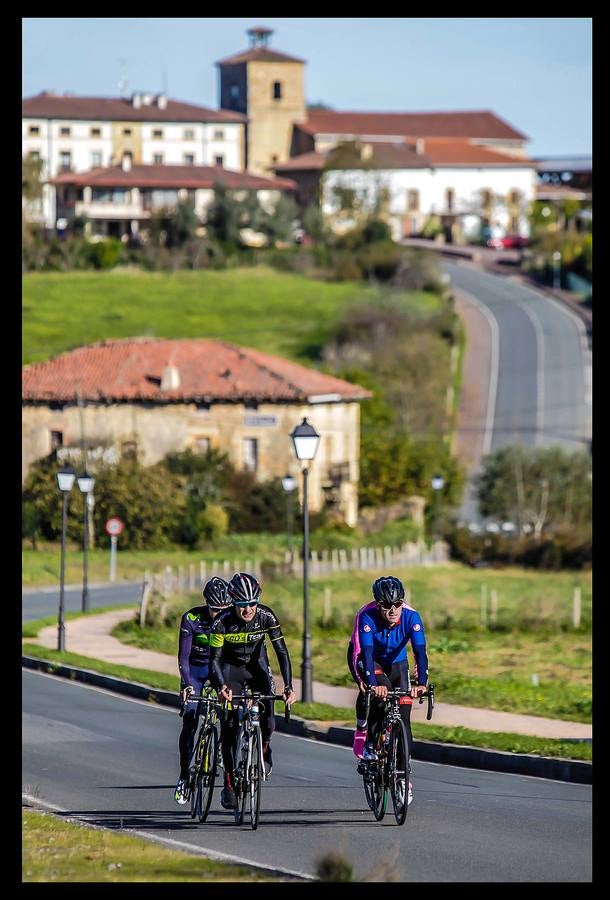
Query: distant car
point(508, 242)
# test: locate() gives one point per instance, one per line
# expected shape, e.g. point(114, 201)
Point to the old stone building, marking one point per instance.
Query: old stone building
point(149, 397)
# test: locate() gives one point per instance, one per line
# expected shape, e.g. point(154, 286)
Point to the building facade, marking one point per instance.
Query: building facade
point(77, 134)
point(150, 397)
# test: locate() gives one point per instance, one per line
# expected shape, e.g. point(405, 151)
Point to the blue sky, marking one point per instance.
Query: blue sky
point(533, 72)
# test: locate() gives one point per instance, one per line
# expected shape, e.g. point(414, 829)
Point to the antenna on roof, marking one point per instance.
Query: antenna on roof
point(123, 79)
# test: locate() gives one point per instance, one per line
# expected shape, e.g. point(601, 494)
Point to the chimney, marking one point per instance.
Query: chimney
point(366, 152)
point(126, 162)
point(170, 379)
point(147, 99)
point(136, 101)
point(162, 101)
point(420, 145)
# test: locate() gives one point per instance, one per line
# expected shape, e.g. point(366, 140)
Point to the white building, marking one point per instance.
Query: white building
point(465, 185)
point(120, 200)
point(76, 134)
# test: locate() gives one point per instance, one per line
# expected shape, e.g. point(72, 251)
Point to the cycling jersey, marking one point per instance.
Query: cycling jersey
point(194, 641)
point(239, 643)
point(384, 644)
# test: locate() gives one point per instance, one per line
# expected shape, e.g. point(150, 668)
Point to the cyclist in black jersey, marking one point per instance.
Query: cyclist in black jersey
point(194, 666)
point(238, 659)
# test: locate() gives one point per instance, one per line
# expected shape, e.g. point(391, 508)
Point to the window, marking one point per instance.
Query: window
point(449, 199)
point(57, 439)
point(158, 159)
point(413, 200)
point(65, 131)
point(234, 92)
point(486, 198)
point(220, 160)
point(161, 198)
point(96, 132)
point(250, 453)
point(34, 154)
point(189, 134)
point(277, 90)
point(129, 450)
point(127, 132)
point(202, 445)
point(514, 197)
point(96, 158)
point(219, 135)
point(157, 133)
point(65, 160)
point(189, 159)
point(34, 129)
point(109, 195)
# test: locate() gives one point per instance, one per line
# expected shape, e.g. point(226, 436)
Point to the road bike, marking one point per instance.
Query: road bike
point(390, 770)
point(205, 757)
point(249, 773)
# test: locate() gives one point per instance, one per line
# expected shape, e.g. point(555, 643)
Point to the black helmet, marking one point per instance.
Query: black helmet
point(388, 590)
point(243, 589)
point(215, 593)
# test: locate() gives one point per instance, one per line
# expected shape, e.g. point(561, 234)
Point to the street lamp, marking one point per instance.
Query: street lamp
point(556, 270)
point(289, 483)
point(305, 439)
point(65, 480)
point(438, 483)
point(86, 484)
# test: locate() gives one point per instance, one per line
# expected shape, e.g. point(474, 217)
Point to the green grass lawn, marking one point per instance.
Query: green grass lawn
point(57, 850)
point(284, 314)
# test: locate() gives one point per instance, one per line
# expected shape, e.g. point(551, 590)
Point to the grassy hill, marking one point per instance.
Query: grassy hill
point(284, 314)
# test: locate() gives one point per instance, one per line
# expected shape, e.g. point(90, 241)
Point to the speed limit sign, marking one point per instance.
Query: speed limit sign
point(114, 526)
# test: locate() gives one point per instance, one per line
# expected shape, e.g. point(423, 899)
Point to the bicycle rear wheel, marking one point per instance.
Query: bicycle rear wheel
point(255, 777)
point(398, 766)
point(241, 773)
point(194, 773)
point(375, 787)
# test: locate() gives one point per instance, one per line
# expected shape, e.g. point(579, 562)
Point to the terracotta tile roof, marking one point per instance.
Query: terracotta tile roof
point(476, 124)
point(402, 155)
point(258, 54)
point(53, 106)
point(130, 369)
point(158, 176)
point(463, 153)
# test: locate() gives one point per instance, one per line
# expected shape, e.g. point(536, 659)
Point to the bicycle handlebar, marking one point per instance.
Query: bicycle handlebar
point(397, 693)
point(256, 696)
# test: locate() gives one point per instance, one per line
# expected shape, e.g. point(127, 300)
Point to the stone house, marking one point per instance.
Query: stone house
point(150, 397)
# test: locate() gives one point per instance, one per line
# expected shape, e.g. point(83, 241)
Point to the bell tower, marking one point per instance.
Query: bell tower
point(268, 87)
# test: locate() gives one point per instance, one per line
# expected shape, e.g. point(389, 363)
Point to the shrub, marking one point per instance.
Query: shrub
point(380, 260)
point(105, 254)
point(213, 522)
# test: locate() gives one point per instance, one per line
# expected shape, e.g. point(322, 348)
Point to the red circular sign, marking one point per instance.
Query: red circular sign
point(114, 526)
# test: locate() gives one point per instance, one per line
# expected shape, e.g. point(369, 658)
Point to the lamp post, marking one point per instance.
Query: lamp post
point(556, 270)
point(65, 480)
point(305, 439)
point(438, 483)
point(86, 484)
point(289, 483)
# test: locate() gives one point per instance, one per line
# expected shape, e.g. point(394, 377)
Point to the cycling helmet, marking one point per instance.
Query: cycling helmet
point(215, 593)
point(388, 590)
point(243, 589)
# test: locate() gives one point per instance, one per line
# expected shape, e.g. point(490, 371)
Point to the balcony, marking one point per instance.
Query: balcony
point(107, 209)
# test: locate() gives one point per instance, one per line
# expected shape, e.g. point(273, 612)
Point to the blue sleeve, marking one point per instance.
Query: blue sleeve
point(418, 642)
point(185, 642)
point(366, 643)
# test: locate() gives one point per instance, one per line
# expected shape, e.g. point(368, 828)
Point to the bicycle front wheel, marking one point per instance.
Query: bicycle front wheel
point(241, 774)
point(207, 779)
point(194, 772)
point(256, 775)
point(398, 771)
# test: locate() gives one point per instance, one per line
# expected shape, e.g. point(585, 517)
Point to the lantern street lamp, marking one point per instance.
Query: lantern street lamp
point(438, 483)
point(305, 439)
point(86, 484)
point(65, 481)
point(289, 483)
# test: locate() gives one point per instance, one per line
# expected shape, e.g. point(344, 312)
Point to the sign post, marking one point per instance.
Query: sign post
point(113, 527)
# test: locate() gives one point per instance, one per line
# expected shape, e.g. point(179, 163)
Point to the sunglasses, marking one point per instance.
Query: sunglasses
point(396, 605)
point(244, 605)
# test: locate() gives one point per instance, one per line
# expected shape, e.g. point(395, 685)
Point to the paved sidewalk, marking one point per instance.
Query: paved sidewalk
point(90, 636)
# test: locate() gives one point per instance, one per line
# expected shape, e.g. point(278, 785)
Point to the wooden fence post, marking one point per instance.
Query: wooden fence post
point(146, 589)
point(191, 577)
point(334, 561)
point(180, 579)
point(343, 560)
point(484, 605)
point(387, 557)
point(202, 572)
point(326, 612)
point(576, 608)
point(167, 582)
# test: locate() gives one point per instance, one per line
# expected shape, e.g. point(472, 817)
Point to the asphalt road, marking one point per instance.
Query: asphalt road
point(540, 381)
point(45, 602)
point(113, 762)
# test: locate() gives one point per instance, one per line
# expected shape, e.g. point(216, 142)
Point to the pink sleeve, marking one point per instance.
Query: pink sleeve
point(355, 636)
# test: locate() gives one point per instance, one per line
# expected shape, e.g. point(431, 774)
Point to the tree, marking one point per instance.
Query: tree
point(226, 216)
point(547, 488)
point(315, 224)
point(278, 225)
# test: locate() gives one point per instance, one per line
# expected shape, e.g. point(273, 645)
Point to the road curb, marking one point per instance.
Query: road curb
point(427, 751)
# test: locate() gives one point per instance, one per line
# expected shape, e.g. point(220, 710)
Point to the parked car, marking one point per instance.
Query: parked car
point(508, 242)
